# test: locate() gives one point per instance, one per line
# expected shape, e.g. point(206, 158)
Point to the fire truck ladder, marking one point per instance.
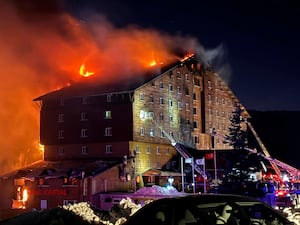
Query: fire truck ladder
point(180, 149)
point(265, 151)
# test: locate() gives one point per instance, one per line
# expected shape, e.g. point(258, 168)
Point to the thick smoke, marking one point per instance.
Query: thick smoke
point(42, 49)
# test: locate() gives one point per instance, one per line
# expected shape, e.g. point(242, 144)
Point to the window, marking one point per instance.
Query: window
point(161, 84)
point(178, 90)
point(61, 150)
point(151, 98)
point(84, 150)
point(142, 96)
point(209, 84)
point(67, 202)
point(142, 131)
point(194, 96)
point(137, 149)
point(179, 105)
point(170, 87)
point(195, 124)
point(161, 117)
point(161, 100)
point(151, 133)
point(187, 92)
point(157, 150)
point(170, 103)
point(108, 114)
point(187, 77)
point(195, 110)
point(61, 102)
point(108, 98)
point(60, 118)
point(178, 75)
point(108, 148)
point(209, 98)
point(108, 131)
point(167, 151)
point(61, 134)
point(83, 116)
point(187, 106)
point(151, 115)
point(162, 134)
point(196, 139)
point(84, 100)
point(83, 133)
point(196, 82)
point(171, 118)
point(148, 150)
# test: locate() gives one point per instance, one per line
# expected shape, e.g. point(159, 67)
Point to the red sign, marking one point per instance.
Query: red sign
point(54, 192)
point(209, 155)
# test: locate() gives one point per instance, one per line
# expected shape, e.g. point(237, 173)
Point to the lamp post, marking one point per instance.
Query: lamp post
point(212, 137)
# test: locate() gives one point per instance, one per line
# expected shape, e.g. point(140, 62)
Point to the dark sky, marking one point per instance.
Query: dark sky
point(259, 39)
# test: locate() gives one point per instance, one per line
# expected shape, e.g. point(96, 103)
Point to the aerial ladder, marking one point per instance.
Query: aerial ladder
point(275, 163)
point(181, 150)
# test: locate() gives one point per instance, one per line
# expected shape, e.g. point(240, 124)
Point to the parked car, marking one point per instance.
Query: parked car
point(208, 209)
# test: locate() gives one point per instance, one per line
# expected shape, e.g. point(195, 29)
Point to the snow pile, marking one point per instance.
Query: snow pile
point(293, 216)
point(158, 190)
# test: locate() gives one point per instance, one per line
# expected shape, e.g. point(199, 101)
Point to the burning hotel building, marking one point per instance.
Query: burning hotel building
point(119, 137)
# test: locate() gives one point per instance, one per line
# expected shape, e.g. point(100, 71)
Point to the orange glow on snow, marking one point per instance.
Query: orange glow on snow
point(83, 72)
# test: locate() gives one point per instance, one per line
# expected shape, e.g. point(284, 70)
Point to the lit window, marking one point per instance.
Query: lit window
point(108, 114)
point(84, 100)
point(108, 148)
point(61, 134)
point(84, 150)
point(142, 131)
point(61, 150)
point(60, 118)
point(151, 133)
point(83, 133)
point(108, 98)
point(108, 131)
point(83, 116)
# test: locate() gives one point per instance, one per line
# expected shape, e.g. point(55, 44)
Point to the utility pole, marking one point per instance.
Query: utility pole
point(212, 137)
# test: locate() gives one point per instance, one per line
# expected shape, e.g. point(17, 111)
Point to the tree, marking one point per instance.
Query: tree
point(237, 135)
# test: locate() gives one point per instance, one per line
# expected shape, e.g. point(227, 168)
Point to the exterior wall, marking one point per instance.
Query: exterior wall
point(94, 151)
point(219, 105)
point(63, 122)
point(175, 114)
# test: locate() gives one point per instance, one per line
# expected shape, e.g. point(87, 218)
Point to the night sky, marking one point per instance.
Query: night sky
point(257, 41)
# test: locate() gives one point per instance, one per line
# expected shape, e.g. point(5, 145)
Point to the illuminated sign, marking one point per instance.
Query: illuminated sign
point(52, 192)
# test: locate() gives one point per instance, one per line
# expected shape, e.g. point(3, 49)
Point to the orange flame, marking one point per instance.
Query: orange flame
point(83, 72)
point(25, 195)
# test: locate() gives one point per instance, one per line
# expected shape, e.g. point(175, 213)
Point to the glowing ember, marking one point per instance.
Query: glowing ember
point(83, 72)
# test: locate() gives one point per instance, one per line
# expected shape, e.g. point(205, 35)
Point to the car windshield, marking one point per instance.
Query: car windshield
point(238, 213)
